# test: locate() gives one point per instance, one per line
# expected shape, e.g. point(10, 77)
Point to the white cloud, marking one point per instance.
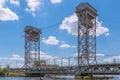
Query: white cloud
point(97, 55)
point(100, 55)
point(116, 57)
point(13, 57)
point(112, 59)
point(41, 53)
point(2, 2)
point(101, 29)
point(4, 58)
point(51, 40)
point(70, 24)
point(16, 2)
point(75, 54)
point(45, 56)
point(16, 57)
point(16, 64)
point(67, 46)
point(33, 5)
point(108, 60)
point(7, 14)
point(50, 59)
point(56, 1)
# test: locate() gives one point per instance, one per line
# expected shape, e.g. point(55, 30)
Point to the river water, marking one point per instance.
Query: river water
point(33, 78)
point(37, 78)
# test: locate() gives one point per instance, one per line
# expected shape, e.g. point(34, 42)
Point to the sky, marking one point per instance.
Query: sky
point(58, 23)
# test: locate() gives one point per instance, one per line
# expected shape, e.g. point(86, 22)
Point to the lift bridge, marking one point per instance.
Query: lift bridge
point(86, 58)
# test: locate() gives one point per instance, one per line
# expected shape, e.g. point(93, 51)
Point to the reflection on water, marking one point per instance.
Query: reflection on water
point(32, 78)
point(37, 78)
point(19, 78)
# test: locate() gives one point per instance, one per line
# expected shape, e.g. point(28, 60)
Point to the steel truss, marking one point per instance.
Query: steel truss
point(98, 69)
point(87, 63)
point(32, 47)
point(102, 69)
point(86, 35)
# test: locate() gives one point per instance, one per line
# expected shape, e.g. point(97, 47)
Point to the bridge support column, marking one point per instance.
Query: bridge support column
point(32, 47)
point(86, 35)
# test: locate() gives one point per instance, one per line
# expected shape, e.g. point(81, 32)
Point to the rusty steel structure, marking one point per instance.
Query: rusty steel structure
point(86, 35)
point(32, 47)
point(86, 59)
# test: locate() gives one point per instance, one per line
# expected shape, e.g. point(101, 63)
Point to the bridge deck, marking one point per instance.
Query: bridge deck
point(73, 70)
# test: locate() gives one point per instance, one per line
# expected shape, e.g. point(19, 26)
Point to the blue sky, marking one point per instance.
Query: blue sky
point(58, 40)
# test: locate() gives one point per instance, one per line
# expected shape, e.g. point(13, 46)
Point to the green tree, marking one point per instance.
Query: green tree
point(43, 62)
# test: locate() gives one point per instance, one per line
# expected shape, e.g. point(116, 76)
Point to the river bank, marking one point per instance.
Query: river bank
point(21, 74)
point(102, 77)
point(12, 74)
point(6, 73)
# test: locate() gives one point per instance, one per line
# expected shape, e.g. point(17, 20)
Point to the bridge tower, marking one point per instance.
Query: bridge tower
point(86, 34)
point(32, 47)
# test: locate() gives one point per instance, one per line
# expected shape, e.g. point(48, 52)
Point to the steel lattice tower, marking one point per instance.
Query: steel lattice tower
point(86, 34)
point(32, 47)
